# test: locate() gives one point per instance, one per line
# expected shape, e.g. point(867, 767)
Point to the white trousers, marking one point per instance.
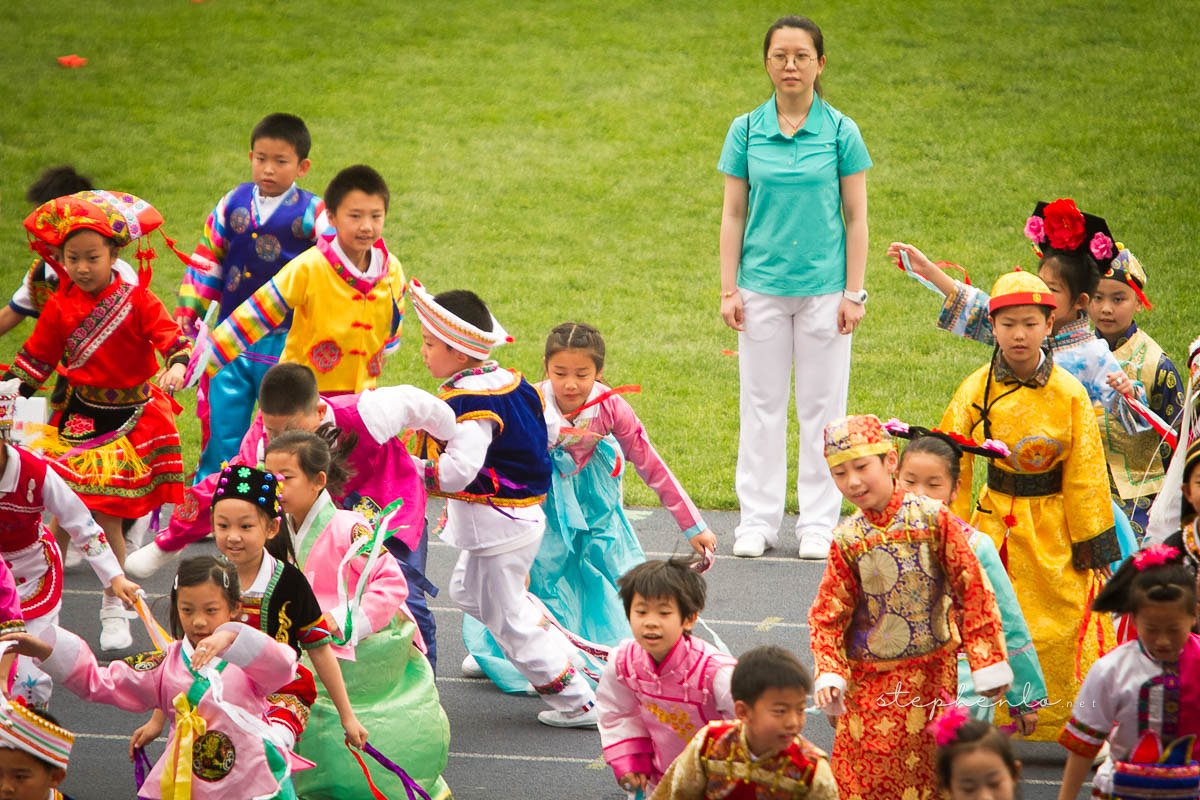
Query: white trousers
point(784, 335)
point(30, 682)
point(491, 588)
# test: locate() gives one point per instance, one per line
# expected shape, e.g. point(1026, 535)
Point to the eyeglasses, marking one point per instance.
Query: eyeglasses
point(780, 60)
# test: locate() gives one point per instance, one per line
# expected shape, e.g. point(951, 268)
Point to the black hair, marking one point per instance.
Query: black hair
point(804, 24)
point(200, 570)
point(1173, 581)
point(288, 388)
point(285, 127)
point(57, 182)
point(940, 446)
point(467, 306)
point(324, 451)
point(576, 336)
point(360, 177)
point(674, 578)
point(1187, 512)
point(975, 734)
point(1078, 271)
point(108, 240)
point(768, 667)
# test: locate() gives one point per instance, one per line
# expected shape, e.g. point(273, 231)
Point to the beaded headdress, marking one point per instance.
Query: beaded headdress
point(1128, 270)
point(252, 485)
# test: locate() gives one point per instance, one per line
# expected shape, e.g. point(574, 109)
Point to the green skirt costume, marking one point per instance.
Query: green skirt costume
point(393, 695)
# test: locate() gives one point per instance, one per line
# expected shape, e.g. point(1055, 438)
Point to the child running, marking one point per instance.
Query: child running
point(380, 467)
point(345, 295)
point(277, 600)
point(930, 466)
point(390, 683)
point(974, 759)
point(1046, 506)
point(663, 685)
point(218, 747)
point(34, 751)
point(495, 472)
point(589, 542)
point(902, 591)
point(762, 753)
point(1150, 685)
point(116, 444)
point(255, 229)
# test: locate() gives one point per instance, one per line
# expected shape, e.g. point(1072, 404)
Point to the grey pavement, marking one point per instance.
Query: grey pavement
point(498, 749)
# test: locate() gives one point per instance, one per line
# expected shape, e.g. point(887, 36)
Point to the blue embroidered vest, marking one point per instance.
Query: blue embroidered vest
point(254, 253)
point(517, 468)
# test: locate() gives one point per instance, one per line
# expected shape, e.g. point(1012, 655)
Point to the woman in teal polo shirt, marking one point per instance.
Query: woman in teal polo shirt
point(793, 260)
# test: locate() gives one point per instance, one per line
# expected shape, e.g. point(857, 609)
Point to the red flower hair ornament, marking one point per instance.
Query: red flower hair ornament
point(1156, 555)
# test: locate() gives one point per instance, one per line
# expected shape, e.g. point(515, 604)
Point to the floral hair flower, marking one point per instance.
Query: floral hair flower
point(1101, 247)
point(1035, 229)
point(1155, 556)
point(945, 727)
point(1064, 224)
point(895, 426)
point(996, 446)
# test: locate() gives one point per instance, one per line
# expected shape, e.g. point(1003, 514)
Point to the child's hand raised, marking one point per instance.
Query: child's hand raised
point(921, 265)
point(210, 647)
point(28, 645)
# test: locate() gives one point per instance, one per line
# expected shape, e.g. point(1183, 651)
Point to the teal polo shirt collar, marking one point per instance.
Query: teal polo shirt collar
point(811, 126)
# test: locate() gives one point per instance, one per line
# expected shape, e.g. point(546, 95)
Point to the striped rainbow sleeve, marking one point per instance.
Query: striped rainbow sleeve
point(204, 279)
point(251, 321)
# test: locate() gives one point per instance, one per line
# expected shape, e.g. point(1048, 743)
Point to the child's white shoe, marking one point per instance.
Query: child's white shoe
point(114, 625)
point(588, 718)
point(145, 561)
point(471, 669)
point(815, 546)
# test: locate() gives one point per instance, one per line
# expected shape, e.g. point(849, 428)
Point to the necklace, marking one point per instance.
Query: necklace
point(795, 125)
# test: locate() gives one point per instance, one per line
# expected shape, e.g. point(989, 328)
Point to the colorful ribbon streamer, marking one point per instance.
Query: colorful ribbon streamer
point(141, 766)
point(157, 633)
point(348, 635)
point(411, 787)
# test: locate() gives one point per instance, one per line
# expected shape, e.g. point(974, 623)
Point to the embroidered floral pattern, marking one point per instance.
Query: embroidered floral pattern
point(325, 355)
point(97, 326)
point(78, 425)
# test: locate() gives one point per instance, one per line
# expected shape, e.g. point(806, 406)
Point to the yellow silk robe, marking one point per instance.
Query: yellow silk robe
point(1057, 539)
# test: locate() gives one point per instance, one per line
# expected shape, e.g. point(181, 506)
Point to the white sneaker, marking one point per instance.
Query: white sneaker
point(114, 626)
point(146, 561)
point(751, 545)
point(569, 719)
point(471, 669)
point(137, 533)
point(73, 557)
point(815, 546)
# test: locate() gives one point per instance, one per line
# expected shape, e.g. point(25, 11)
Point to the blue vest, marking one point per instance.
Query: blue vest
point(520, 453)
point(254, 253)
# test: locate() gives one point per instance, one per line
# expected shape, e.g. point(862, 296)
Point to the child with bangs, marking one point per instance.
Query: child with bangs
point(660, 687)
point(1046, 506)
point(883, 630)
point(930, 466)
point(1147, 686)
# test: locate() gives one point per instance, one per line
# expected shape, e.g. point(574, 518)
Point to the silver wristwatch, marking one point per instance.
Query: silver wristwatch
point(859, 297)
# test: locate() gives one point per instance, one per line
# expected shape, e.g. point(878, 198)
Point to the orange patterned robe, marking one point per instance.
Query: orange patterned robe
point(883, 628)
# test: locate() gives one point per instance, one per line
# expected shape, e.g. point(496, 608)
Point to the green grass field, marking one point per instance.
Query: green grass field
point(559, 158)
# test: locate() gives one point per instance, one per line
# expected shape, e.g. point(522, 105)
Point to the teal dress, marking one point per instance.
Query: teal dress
point(589, 544)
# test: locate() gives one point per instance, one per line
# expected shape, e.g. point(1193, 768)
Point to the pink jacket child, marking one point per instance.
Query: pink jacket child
point(228, 759)
point(321, 542)
point(649, 712)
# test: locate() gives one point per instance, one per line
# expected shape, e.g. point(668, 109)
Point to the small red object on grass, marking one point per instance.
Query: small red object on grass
point(72, 61)
point(729, 352)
